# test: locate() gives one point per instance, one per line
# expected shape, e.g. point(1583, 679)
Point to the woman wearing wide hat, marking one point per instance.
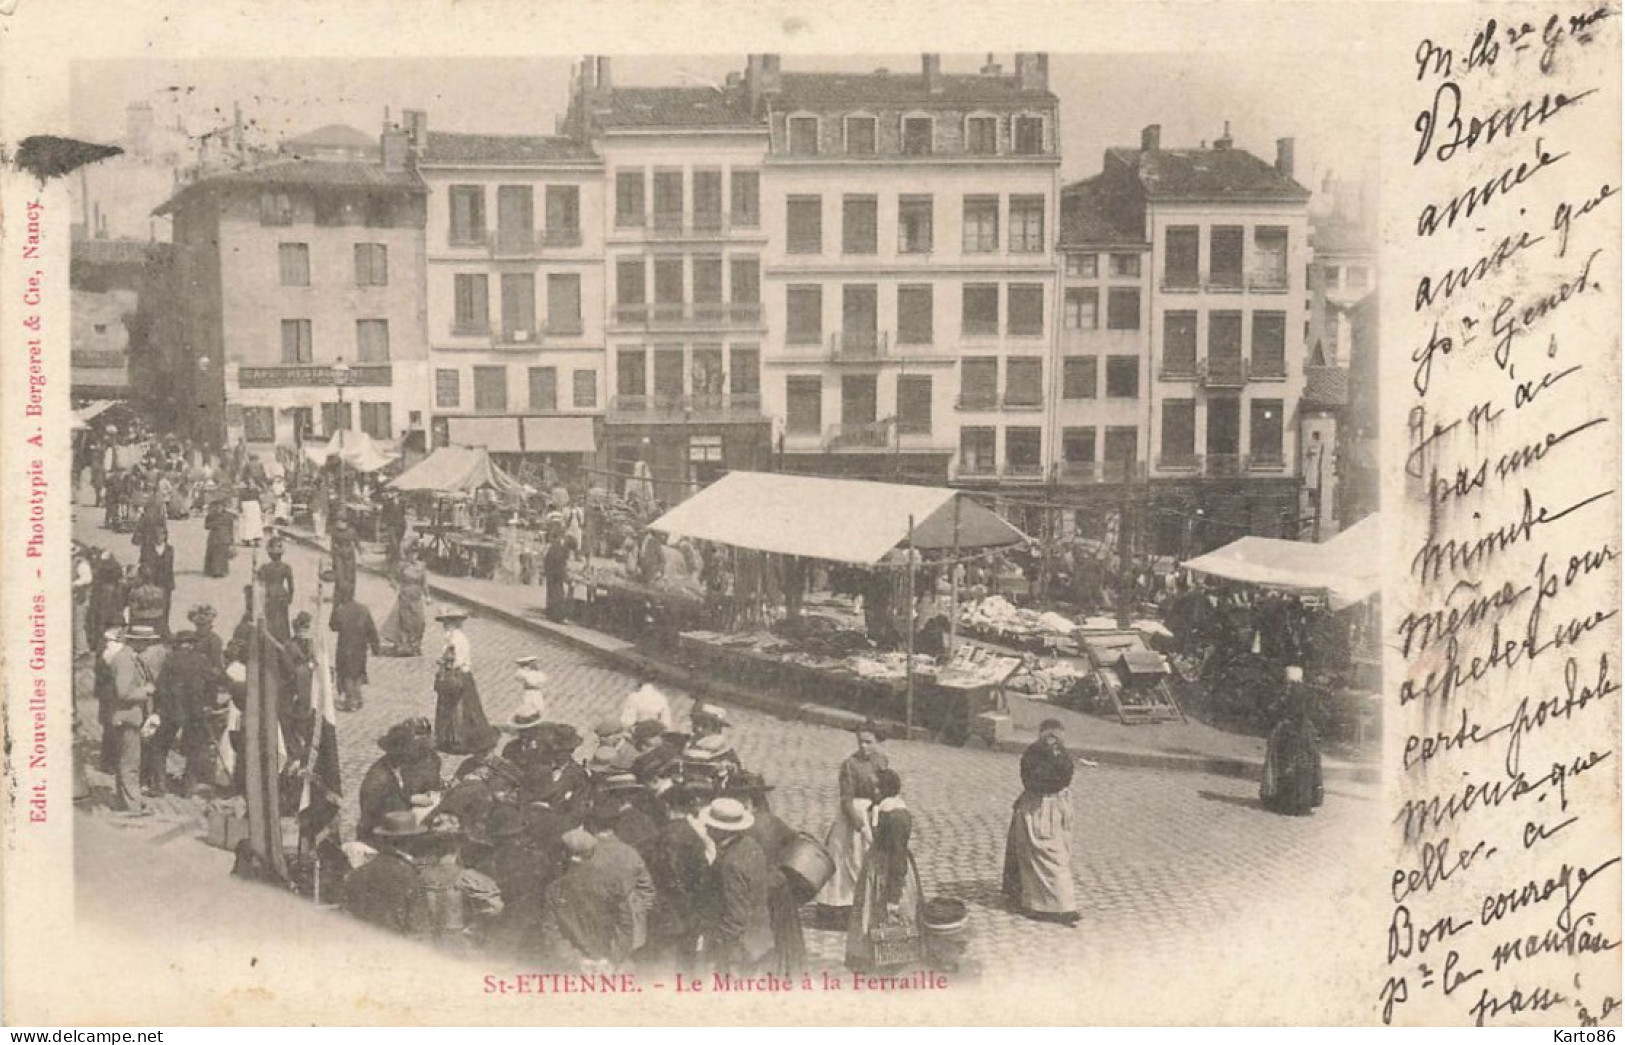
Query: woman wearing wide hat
point(460, 726)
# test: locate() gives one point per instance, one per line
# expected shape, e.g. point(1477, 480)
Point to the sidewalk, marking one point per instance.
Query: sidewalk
point(1188, 746)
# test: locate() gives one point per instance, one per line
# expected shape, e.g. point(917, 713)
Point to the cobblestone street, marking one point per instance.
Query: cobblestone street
point(1166, 862)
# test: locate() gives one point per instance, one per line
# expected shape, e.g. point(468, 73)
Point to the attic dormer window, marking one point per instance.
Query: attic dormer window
point(802, 132)
point(1029, 135)
point(982, 135)
point(917, 135)
point(861, 135)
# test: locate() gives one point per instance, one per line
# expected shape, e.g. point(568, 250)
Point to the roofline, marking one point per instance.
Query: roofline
point(956, 160)
point(655, 130)
point(1170, 198)
point(514, 165)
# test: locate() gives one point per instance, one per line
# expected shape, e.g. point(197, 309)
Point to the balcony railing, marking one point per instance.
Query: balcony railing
point(863, 435)
point(1178, 369)
point(977, 469)
point(1267, 370)
point(700, 408)
point(746, 312)
point(1180, 462)
point(699, 225)
point(857, 345)
point(1023, 469)
point(1223, 372)
point(1101, 471)
point(978, 401)
point(674, 313)
point(1222, 465)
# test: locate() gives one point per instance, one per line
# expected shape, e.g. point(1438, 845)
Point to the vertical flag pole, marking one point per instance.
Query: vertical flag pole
point(909, 708)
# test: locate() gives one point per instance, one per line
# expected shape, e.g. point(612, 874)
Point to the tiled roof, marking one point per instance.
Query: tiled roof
point(677, 107)
point(1092, 213)
point(333, 136)
point(1325, 386)
point(815, 90)
point(337, 174)
point(448, 149)
point(1209, 175)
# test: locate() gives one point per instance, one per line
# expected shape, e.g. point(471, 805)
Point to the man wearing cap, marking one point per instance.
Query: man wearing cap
point(743, 933)
point(357, 636)
point(624, 869)
point(388, 891)
point(587, 923)
point(131, 680)
point(1038, 849)
point(276, 577)
point(208, 642)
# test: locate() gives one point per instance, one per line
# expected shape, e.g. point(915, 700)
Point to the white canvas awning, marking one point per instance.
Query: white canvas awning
point(840, 520)
point(1348, 567)
point(85, 414)
point(500, 435)
point(455, 469)
point(357, 450)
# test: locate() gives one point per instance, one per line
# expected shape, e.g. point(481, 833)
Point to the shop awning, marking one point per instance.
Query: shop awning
point(558, 435)
point(1348, 568)
point(840, 520)
point(358, 450)
point(500, 435)
point(455, 469)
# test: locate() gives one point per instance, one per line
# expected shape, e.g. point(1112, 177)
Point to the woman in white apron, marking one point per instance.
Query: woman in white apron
point(850, 835)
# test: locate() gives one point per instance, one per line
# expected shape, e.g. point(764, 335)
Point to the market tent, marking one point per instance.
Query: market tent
point(840, 520)
point(358, 450)
point(85, 414)
point(1347, 567)
point(455, 469)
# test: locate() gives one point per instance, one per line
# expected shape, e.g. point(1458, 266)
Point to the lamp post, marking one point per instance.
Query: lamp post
point(341, 377)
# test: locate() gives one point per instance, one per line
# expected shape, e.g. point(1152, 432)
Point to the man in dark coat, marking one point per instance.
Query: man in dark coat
point(742, 935)
point(522, 875)
point(148, 604)
point(209, 643)
point(388, 891)
point(775, 837)
point(185, 690)
point(107, 596)
point(344, 563)
point(357, 636)
point(384, 790)
point(624, 868)
point(277, 578)
point(679, 860)
point(158, 560)
point(587, 920)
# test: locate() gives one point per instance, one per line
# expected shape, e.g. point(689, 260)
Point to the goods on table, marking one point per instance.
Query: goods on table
point(996, 613)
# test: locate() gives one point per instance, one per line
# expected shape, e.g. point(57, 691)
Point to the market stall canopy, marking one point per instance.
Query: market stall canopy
point(455, 469)
point(356, 449)
point(85, 414)
point(840, 520)
point(1347, 567)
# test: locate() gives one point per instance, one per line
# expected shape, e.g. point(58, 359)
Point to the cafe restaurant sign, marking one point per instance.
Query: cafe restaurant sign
point(308, 376)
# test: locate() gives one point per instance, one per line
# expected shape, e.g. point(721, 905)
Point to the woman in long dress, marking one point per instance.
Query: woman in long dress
point(219, 524)
point(403, 628)
point(884, 929)
point(851, 834)
point(460, 726)
point(252, 516)
point(1292, 774)
point(1038, 847)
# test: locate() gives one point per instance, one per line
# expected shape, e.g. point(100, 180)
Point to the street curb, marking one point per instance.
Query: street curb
point(635, 662)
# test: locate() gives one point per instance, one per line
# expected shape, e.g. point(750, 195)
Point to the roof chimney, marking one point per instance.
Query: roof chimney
point(1151, 138)
point(761, 77)
point(415, 122)
point(992, 68)
point(931, 68)
point(1225, 142)
point(1032, 72)
point(605, 82)
point(396, 146)
point(589, 72)
point(1284, 148)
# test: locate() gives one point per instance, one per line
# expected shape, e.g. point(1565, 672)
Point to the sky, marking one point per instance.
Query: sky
point(1105, 99)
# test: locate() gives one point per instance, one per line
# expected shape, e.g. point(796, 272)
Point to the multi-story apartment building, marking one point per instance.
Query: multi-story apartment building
point(1222, 249)
point(681, 223)
point(910, 280)
point(291, 278)
point(515, 291)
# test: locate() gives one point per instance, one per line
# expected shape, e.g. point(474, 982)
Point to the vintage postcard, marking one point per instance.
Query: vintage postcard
point(811, 514)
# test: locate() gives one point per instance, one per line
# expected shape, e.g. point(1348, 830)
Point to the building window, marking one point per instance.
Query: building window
point(448, 391)
point(1224, 335)
point(981, 224)
point(705, 375)
point(860, 317)
point(544, 389)
point(744, 372)
point(372, 340)
point(914, 314)
point(860, 135)
point(296, 345)
point(518, 306)
point(1082, 308)
point(668, 373)
point(982, 135)
point(744, 189)
point(1359, 277)
point(860, 219)
point(564, 303)
point(376, 420)
point(1026, 224)
point(914, 404)
point(705, 449)
point(707, 280)
point(336, 417)
point(563, 204)
point(471, 314)
point(516, 217)
point(1023, 450)
point(669, 282)
point(1085, 265)
point(1123, 308)
point(979, 383)
point(629, 198)
point(1029, 135)
point(804, 224)
point(1026, 309)
point(293, 260)
point(491, 389)
point(1178, 343)
point(467, 215)
point(804, 405)
point(668, 199)
point(914, 232)
point(1023, 382)
point(745, 281)
point(1265, 433)
point(1182, 269)
point(917, 135)
point(259, 424)
point(979, 308)
point(1269, 257)
point(631, 372)
point(804, 314)
point(1225, 265)
point(978, 453)
point(630, 285)
point(1126, 265)
point(1269, 344)
point(586, 389)
point(1122, 377)
point(379, 212)
point(276, 208)
point(1122, 448)
point(803, 132)
point(1080, 378)
point(708, 200)
point(1078, 446)
point(371, 265)
point(1178, 433)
